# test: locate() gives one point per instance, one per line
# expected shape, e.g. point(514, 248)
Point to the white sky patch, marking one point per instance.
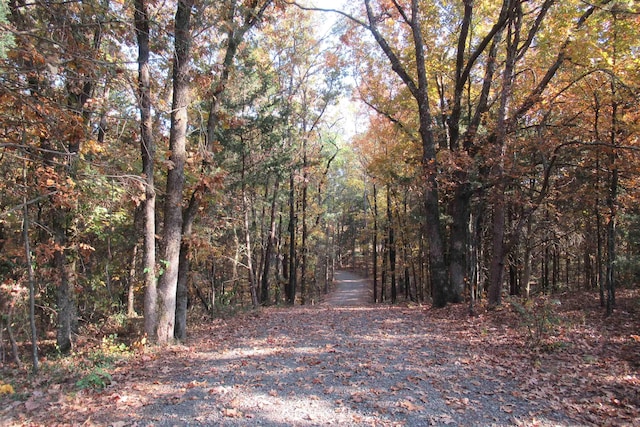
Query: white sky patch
point(345, 116)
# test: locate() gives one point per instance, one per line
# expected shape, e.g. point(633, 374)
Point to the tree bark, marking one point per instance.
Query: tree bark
point(172, 235)
point(147, 150)
point(496, 268)
point(375, 243)
point(526, 275)
point(66, 299)
point(253, 288)
point(392, 249)
point(385, 270)
point(612, 199)
point(460, 209)
point(264, 294)
point(293, 268)
point(182, 290)
point(304, 249)
point(131, 309)
point(31, 281)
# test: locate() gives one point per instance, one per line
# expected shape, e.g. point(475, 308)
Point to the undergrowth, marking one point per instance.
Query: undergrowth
point(538, 317)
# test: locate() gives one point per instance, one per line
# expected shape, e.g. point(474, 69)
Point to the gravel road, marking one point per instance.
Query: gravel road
point(350, 290)
point(342, 363)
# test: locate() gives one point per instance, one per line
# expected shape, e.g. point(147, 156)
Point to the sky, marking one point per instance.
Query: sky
point(346, 111)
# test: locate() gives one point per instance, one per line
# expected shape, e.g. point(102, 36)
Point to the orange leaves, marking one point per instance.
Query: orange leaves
point(60, 188)
point(46, 250)
point(85, 249)
point(333, 61)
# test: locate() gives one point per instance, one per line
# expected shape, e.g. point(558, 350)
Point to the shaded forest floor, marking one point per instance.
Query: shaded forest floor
point(556, 362)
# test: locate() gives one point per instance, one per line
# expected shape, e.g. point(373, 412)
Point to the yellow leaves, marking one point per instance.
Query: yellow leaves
point(6, 389)
point(92, 147)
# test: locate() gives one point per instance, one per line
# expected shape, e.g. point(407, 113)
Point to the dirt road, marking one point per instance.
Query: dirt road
point(351, 290)
point(345, 362)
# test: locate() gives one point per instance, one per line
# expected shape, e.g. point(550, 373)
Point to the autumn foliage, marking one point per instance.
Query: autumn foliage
point(166, 162)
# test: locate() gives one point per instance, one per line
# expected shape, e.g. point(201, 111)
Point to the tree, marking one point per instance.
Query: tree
point(250, 15)
point(147, 149)
point(6, 38)
point(172, 232)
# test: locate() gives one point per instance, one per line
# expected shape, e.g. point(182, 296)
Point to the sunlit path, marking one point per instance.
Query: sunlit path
point(351, 290)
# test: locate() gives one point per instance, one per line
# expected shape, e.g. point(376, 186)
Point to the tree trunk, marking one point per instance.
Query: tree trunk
point(304, 249)
point(392, 249)
point(293, 268)
point(460, 268)
point(66, 256)
point(172, 235)
point(526, 275)
point(514, 283)
point(496, 269)
point(612, 199)
point(66, 299)
point(423, 276)
point(182, 289)
point(459, 239)
point(437, 266)
point(264, 294)
point(147, 149)
point(383, 279)
point(12, 338)
point(31, 281)
point(611, 240)
point(131, 309)
point(555, 270)
point(375, 244)
point(247, 230)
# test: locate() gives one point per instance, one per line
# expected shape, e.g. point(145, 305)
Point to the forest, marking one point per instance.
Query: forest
point(171, 161)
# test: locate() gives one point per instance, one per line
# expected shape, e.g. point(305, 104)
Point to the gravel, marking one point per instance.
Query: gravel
point(334, 364)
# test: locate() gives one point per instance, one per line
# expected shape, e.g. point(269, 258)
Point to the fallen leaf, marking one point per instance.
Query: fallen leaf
point(32, 403)
point(231, 413)
point(410, 406)
point(506, 409)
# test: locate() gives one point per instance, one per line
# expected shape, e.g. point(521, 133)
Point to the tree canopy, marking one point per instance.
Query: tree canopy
point(167, 158)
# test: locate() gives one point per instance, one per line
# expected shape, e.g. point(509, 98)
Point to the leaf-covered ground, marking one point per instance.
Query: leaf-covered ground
point(558, 362)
